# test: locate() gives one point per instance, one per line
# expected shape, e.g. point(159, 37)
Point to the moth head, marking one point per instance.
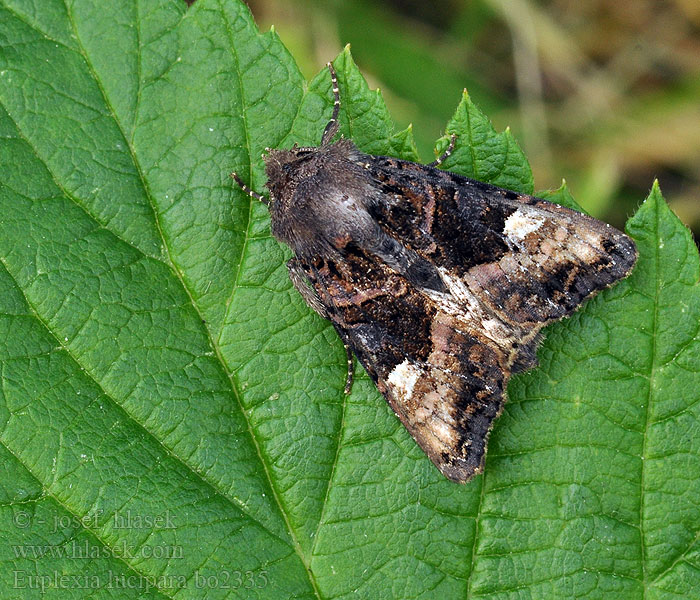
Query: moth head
point(286, 168)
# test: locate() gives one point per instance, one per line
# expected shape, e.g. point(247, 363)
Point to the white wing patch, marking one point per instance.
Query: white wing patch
point(520, 224)
point(403, 378)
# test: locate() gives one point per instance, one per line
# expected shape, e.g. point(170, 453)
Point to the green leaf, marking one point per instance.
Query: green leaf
point(483, 154)
point(172, 416)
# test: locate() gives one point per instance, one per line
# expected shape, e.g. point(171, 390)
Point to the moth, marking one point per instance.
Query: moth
point(438, 283)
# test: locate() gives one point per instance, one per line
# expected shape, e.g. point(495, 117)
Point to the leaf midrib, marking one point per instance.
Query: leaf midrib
point(652, 373)
point(273, 488)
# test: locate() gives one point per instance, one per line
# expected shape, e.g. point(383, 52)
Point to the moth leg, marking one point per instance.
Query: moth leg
point(252, 193)
point(446, 153)
point(351, 369)
point(332, 127)
point(301, 282)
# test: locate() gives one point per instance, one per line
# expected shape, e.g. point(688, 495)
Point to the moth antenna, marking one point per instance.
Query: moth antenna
point(351, 370)
point(332, 127)
point(252, 193)
point(446, 153)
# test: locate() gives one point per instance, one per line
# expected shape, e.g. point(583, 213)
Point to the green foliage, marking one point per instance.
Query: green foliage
point(155, 362)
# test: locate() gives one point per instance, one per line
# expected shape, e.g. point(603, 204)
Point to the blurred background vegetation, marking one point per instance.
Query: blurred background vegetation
point(604, 93)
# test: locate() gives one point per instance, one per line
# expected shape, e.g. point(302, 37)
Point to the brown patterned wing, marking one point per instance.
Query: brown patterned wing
point(529, 260)
point(449, 402)
point(442, 291)
point(438, 370)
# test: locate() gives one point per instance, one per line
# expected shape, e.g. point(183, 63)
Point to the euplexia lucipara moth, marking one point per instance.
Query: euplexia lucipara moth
point(438, 283)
